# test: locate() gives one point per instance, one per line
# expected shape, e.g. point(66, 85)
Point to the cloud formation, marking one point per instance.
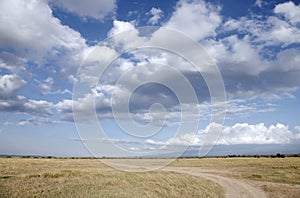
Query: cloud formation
point(96, 9)
point(290, 11)
point(21, 104)
point(9, 84)
point(247, 73)
point(197, 19)
point(240, 133)
point(156, 15)
point(241, 47)
point(39, 39)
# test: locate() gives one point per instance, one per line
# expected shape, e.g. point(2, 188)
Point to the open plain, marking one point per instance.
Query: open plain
point(205, 177)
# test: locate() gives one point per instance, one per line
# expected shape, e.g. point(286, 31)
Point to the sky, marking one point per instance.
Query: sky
point(149, 78)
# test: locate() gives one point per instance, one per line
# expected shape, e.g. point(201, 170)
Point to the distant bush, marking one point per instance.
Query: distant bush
point(280, 156)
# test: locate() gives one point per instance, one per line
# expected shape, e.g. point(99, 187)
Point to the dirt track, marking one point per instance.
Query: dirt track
point(233, 187)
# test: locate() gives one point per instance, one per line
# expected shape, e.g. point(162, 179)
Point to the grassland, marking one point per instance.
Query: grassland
point(89, 178)
point(278, 177)
point(279, 170)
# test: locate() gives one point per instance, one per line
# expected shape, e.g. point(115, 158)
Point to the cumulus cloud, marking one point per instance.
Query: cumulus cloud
point(36, 41)
point(129, 38)
point(249, 65)
point(244, 133)
point(156, 15)
point(289, 10)
point(25, 28)
point(246, 74)
point(197, 19)
point(266, 31)
point(240, 47)
point(240, 54)
point(236, 55)
point(120, 26)
point(9, 84)
point(143, 71)
point(240, 133)
point(46, 85)
point(87, 106)
point(33, 38)
point(25, 105)
point(280, 32)
point(13, 63)
point(287, 60)
point(97, 9)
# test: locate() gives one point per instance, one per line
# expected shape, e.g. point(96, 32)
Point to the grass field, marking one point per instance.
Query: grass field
point(89, 178)
point(280, 170)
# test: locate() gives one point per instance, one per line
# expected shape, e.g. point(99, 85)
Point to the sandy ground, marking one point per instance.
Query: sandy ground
point(233, 187)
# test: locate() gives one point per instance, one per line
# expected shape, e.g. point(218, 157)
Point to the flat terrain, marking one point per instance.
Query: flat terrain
point(279, 170)
point(207, 177)
point(277, 177)
point(90, 178)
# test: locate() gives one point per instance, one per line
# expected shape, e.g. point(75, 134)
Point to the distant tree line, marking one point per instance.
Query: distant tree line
point(278, 155)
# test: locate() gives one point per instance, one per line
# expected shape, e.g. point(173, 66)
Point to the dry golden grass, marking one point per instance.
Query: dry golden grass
point(90, 178)
point(280, 170)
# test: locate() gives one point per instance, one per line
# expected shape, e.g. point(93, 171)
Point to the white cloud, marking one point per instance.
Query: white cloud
point(289, 10)
point(46, 85)
point(236, 55)
point(9, 84)
point(97, 9)
point(267, 31)
point(119, 27)
point(36, 121)
point(98, 58)
point(195, 18)
point(287, 60)
point(245, 108)
point(281, 32)
point(250, 67)
point(85, 107)
point(259, 3)
point(156, 15)
point(128, 39)
point(25, 105)
point(13, 63)
point(30, 29)
point(240, 133)
point(37, 106)
point(20, 28)
point(244, 133)
point(72, 79)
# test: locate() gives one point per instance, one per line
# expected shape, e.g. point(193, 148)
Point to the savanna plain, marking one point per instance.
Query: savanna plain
point(195, 177)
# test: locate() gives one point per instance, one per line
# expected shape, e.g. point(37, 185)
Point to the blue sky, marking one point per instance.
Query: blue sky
point(67, 83)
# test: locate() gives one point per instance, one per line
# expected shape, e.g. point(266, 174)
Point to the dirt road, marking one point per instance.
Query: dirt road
point(233, 187)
